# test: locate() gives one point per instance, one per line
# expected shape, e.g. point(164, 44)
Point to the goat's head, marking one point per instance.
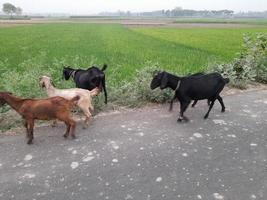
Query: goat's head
point(2, 101)
point(97, 80)
point(45, 82)
point(67, 72)
point(160, 79)
point(3, 96)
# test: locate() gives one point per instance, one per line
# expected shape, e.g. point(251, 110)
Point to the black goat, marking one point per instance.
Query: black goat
point(195, 101)
point(87, 79)
point(198, 87)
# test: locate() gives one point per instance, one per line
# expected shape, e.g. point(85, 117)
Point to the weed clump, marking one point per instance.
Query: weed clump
point(251, 65)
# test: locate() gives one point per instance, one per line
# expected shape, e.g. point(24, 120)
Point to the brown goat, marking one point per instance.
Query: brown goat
point(42, 109)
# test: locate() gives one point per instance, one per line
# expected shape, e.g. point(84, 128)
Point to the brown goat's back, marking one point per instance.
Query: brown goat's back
point(42, 109)
point(46, 109)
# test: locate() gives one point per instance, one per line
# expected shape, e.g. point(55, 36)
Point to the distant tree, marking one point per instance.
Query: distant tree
point(18, 11)
point(128, 13)
point(9, 8)
point(168, 13)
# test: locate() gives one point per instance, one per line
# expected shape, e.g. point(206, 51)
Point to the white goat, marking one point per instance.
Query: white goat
point(85, 101)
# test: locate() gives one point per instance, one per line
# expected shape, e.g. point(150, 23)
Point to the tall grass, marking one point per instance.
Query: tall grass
point(25, 82)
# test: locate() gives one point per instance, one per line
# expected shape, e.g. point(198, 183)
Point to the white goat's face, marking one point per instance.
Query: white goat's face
point(44, 81)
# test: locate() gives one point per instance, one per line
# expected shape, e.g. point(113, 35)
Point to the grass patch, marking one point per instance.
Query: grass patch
point(223, 43)
point(115, 45)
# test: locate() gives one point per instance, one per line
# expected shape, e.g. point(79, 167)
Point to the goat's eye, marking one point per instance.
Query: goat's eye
point(94, 80)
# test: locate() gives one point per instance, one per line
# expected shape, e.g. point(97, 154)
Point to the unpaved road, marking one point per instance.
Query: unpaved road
point(145, 155)
point(132, 23)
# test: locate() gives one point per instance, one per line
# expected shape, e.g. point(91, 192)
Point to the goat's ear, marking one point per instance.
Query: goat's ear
point(164, 81)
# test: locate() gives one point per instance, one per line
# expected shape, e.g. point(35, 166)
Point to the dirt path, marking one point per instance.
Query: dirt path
point(145, 154)
point(134, 22)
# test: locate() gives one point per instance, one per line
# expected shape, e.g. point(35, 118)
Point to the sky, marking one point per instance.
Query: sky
point(96, 6)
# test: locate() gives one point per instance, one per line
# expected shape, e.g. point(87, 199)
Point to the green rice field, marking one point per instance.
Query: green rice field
point(31, 50)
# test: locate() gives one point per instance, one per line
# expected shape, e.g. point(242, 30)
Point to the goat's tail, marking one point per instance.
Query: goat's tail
point(105, 66)
point(226, 80)
point(94, 92)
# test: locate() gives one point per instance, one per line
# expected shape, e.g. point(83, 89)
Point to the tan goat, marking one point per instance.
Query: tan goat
point(84, 103)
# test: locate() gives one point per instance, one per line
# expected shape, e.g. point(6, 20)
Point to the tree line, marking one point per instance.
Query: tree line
point(10, 9)
point(176, 12)
point(180, 12)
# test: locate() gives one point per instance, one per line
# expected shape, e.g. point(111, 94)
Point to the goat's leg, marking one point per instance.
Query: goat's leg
point(67, 130)
point(221, 102)
point(54, 123)
point(64, 116)
point(171, 103)
point(25, 123)
point(194, 103)
point(88, 116)
point(72, 128)
point(211, 105)
point(183, 107)
point(30, 131)
point(105, 91)
point(90, 106)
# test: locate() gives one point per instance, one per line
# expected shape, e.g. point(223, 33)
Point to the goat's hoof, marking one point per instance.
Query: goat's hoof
point(54, 124)
point(85, 126)
point(73, 136)
point(29, 142)
point(65, 135)
point(179, 120)
point(206, 116)
point(223, 110)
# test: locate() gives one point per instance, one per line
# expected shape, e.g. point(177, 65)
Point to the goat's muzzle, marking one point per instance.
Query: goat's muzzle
point(2, 102)
point(42, 84)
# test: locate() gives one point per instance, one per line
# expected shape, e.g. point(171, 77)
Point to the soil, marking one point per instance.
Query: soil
point(127, 22)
